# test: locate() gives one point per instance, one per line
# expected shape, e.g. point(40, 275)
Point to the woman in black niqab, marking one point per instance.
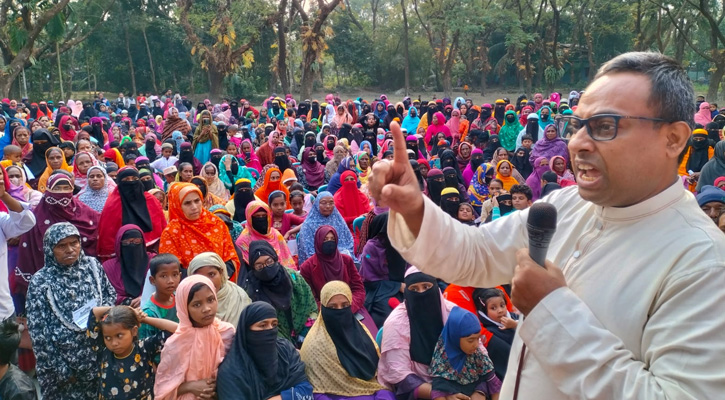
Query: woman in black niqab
point(259, 365)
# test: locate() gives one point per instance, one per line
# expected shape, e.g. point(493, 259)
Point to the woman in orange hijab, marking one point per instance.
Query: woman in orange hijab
point(504, 172)
point(55, 160)
point(272, 182)
point(192, 229)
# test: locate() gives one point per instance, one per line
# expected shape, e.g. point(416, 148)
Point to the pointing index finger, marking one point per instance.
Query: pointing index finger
point(400, 151)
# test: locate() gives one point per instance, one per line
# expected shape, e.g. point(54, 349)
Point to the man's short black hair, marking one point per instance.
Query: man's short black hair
point(9, 340)
point(523, 189)
point(161, 259)
point(550, 177)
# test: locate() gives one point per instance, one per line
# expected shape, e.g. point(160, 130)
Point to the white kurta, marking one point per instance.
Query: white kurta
point(12, 224)
point(643, 316)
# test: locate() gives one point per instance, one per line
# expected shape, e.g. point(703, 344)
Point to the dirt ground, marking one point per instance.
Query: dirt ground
point(398, 94)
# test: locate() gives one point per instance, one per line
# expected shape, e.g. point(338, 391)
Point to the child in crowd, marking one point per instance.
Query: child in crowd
point(309, 198)
point(165, 274)
point(297, 200)
point(12, 153)
point(232, 149)
point(521, 196)
point(127, 363)
point(191, 356)
point(527, 142)
point(282, 221)
point(502, 206)
point(466, 214)
point(14, 383)
point(499, 322)
point(170, 176)
point(549, 183)
point(495, 188)
point(167, 159)
point(460, 368)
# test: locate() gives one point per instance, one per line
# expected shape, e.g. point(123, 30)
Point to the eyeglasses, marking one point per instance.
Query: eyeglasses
point(259, 267)
point(327, 203)
point(602, 127)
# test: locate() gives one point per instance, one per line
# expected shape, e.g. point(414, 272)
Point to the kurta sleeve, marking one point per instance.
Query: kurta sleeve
point(301, 391)
point(681, 352)
point(16, 223)
point(397, 366)
point(480, 257)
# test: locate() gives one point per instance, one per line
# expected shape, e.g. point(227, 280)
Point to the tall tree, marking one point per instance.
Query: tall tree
point(213, 35)
point(710, 21)
point(282, 47)
point(31, 30)
point(313, 32)
point(406, 53)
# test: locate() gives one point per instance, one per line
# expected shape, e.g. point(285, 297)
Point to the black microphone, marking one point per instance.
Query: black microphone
point(541, 225)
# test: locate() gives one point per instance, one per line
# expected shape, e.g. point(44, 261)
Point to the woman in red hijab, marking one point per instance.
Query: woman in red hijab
point(349, 200)
point(129, 204)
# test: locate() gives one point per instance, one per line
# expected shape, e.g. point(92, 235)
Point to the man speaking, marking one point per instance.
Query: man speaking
point(631, 304)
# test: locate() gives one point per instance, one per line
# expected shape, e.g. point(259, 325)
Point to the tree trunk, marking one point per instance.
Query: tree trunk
point(715, 79)
point(527, 72)
point(130, 60)
point(151, 60)
point(60, 71)
point(448, 67)
point(191, 81)
point(590, 57)
point(484, 67)
point(374, 7)
point(405, 48)
point(308, 77)
point(215, 82)
point(282, 47)
point(7, 81)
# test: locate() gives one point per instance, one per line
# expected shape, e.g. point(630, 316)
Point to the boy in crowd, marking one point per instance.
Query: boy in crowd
point(12, 153)
point(165, 275)
point(14, 383)
point(521, 196)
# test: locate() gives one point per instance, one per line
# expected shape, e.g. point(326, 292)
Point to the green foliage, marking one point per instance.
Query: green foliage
point(505, 39)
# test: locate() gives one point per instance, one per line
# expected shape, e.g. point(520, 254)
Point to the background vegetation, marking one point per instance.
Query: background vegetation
point(245, 48)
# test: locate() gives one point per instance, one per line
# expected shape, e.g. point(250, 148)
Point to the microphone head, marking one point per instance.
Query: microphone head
point(542, 216)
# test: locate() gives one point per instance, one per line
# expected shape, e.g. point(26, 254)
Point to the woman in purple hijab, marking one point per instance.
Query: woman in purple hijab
point(549, 146)
point(58, 205)
point(382, 269)
point(541, 165)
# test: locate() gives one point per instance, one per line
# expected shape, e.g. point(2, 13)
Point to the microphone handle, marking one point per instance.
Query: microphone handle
point(538, 253)
point(539, 240)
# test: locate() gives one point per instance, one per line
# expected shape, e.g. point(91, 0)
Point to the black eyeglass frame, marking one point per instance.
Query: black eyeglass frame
point(616, 117)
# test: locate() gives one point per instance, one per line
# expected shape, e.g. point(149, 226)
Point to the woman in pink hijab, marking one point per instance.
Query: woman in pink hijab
point(191, 356)
point(436, 126)
point(703, 116)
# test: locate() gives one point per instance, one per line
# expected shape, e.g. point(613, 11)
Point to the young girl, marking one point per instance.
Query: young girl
point(297, 200)
point(191, 356)
point(282, 221)
point(460, 365)
point(309, 198)
point(128, 364)
point(495, 318)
